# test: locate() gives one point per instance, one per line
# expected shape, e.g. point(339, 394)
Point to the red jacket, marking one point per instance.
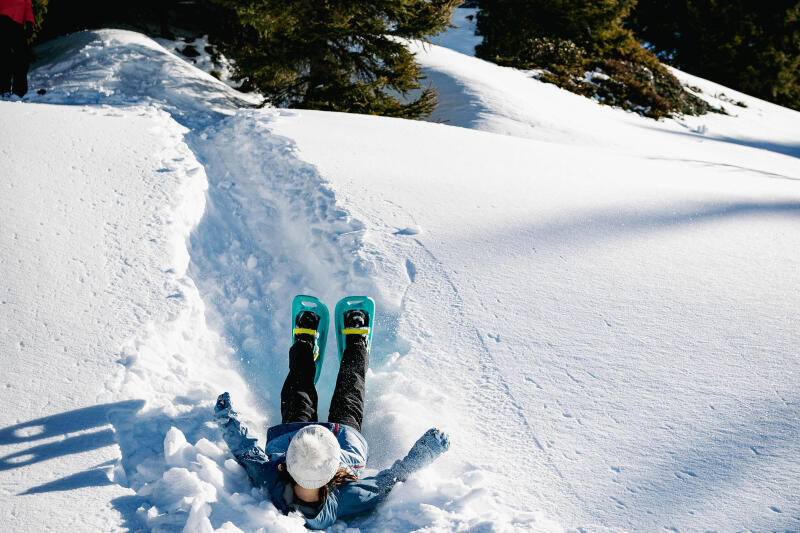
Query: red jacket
point(19, 11)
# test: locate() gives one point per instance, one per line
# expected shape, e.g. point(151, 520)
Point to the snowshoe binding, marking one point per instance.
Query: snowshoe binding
point(354, 317)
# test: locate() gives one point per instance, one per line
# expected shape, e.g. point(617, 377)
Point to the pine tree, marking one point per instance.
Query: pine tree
point(337, 55)
point(750, 46)
point(582, 46)
point(39, 12)
point(596, 27)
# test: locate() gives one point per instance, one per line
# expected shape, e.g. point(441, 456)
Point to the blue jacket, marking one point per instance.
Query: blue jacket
point(345, 500)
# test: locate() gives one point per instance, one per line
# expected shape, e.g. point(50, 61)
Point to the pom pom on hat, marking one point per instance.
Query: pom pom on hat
point(313, 456)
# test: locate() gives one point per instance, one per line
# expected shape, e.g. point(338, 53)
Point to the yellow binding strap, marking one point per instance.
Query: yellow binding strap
point(356, 331)
point(304, 331)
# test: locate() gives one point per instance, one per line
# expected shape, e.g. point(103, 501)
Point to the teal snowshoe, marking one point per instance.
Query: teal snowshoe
point(354, 303)
point(310, 317)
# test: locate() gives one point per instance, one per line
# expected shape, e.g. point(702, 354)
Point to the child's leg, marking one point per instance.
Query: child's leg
point(347, 404)
point(299, 396)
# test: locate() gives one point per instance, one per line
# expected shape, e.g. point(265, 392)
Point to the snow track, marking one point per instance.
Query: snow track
point(272, 230)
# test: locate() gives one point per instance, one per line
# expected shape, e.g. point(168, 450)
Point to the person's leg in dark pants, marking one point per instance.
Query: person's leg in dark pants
point(7, 30)
point(20, 61)
point(299, 395)
point(347, 404)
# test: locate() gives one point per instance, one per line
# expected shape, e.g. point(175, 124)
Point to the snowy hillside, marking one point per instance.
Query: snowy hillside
point(600, 309)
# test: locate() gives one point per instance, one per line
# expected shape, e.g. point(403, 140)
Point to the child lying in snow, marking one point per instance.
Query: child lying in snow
point(314, 467)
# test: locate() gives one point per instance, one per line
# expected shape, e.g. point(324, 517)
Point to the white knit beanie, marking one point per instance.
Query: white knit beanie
point(313, 456)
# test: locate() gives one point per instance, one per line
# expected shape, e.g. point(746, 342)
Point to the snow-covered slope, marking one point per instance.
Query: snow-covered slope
point(480, 95)
point(99, 318)
point(600, 309)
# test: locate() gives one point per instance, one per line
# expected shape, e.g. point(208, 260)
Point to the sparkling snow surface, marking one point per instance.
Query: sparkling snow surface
point(600, 309)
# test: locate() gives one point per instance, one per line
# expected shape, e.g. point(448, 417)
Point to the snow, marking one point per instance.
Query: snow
point(98, 314)
point(615, 322)
point(599, 308)
point(480, 95)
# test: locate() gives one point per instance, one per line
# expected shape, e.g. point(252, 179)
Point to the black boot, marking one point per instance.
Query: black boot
point(359, 320)
point(307, 321)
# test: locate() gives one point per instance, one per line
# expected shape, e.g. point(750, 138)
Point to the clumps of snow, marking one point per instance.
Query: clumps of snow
point(409, 230)
point(204, 490)
point(591, 76)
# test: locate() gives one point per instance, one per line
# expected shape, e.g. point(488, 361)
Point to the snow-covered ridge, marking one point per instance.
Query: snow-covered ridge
point(481, 95)
point(596, 307)
point(118, 67)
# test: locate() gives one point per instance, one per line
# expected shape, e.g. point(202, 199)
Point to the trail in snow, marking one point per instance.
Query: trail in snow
point(272, 230)
point(275, 231)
